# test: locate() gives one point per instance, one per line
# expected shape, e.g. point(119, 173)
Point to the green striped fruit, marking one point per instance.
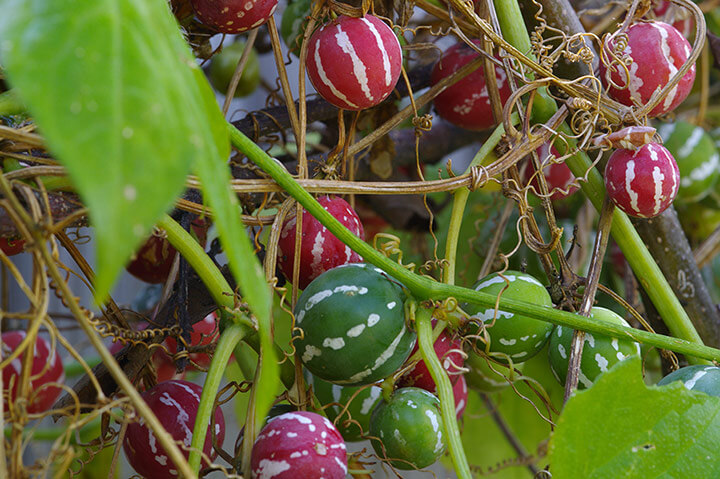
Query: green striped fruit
point(353, 325)
point(518, 336)
point(355, 421)
point(600, 353)
point(482, 377)
point(696, 156)
point(696, 378)
point(409, 428)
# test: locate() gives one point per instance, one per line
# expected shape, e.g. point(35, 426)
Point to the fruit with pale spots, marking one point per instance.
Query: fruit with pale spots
point(299, 444)
point(233, 16)
point(599, 354)
point(698, 377)
point(46, 368)
point(360, 401)
point(320, 250)
point(175, 403)
point(350, 325)
point(466, 103)
point(203, 333)
point(515, 335)
point(460, 393)
point(354, 63)
point(642, 183)
point(410, 429)
point(656, 52)
point(697, 159)
point(449, 351)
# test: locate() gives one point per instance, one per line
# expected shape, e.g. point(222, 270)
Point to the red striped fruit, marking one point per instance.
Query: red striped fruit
point(203, 333)
point(460, 393)
point(656, 51)
point(558, 176)
point(233, 16)
point(46, 368)
point(175, 403)
point(466, 103)
point(675, 15)
point(299, 444)
point(320, 250)
point(449, 351)
point(642, 183)
point(354, 63)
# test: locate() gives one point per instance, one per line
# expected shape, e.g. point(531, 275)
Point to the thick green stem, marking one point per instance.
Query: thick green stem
point(460, 197)
point(638, 256)
point(423, 325)
point(425, 288)
point(226, 344)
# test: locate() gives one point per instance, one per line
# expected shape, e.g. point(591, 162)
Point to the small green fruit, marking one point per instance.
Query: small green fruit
point(222, 68)
point(696, 378)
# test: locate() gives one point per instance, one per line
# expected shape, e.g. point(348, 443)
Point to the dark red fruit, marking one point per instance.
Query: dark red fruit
point(354, 63)
point(234, 16)
point(154, 259)
point(656, 51)
point(466, 103)
point(449, 351)
point(175, 403)
point(320, 250)
point(11, 247)
point(46, 368)
point(299, 444)
point(203, 333)
point(642, 183)
point(558, 176)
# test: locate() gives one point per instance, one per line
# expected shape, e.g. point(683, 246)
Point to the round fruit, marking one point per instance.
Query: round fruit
point(175, 403)
point(449, 351)
point(359, 410)
point(11, 247)
point(466, 103)
point(460, 393)
point(696, 156)
point(696, 378)
point(233, 16)
point(320, 250)
point(410, 429)
point(486, 379)
point(154, 259)
point(656, 51)
point(47, 367)
point(642, 183)
point(676, 16)
point(293, 24)
point(517, 336)
point(203, 333)
point(354, 63)
point(223, 65)
point(558, 176)
point(353, 325)
point(299, 444)
point(599, 354)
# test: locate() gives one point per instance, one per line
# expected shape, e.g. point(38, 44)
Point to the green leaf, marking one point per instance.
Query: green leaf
point(113, 87)
point(622, 428)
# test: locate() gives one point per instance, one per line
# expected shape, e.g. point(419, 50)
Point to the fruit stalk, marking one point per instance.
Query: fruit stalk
point(425, 288)
point(423, 325)
point(226, 344)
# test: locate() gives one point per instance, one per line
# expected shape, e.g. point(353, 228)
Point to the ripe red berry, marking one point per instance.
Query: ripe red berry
point(203, 333)
point(46, 368)
point(175, 403)
point(656, 51)
point(11, 247)
point(234, 16)
point(354, 63)
point(466, 103)
point(642, 183)
point(448, 350)
point(320, 250)
point(299, 444)
point(154, 259)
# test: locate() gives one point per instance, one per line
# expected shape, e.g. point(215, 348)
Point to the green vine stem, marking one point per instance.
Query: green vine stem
point(425, 288)
point(460, 197)
point(423, 326)
point(625, 235)
point(229, 338)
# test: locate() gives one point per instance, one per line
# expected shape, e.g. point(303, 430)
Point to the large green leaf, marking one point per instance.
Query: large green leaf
point(621, 428)
point(113, 88)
